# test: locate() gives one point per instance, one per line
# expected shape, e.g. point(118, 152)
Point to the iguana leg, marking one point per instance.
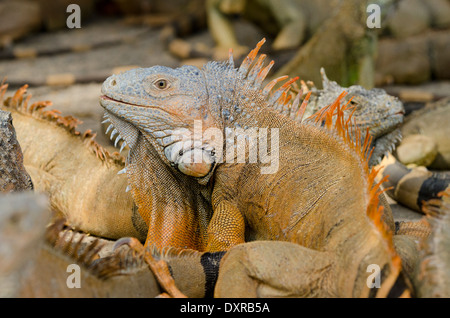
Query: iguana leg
point(159, 268)
point(226, 228)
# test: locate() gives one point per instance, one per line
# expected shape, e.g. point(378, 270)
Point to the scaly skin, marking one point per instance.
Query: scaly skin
point(118, 274)
point(432, 121)
point(371, 109)
point(13, 176)
point(301, 200)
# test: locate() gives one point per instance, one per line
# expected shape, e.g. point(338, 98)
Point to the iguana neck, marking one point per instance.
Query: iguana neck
point(173, 205)
point(234, 101)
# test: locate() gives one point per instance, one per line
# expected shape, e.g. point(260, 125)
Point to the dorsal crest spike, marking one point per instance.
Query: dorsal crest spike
point(3, 89)
point(19, 102)
point(333, 118)
point(266, 90)
point(280, 102)
point(254, 71)
point(263, 73)
point(282, 90)
point(230, 57)
point(325, 80)
point(288, 83)
point(296, 102)
point(243, 69)
point(301, 111)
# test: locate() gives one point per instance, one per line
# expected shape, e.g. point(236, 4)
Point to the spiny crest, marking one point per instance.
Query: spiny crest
point(86, 253)
point(68, 244)
point(234, 87)
point(20, 102)
point(333, 118)
point(254, 72)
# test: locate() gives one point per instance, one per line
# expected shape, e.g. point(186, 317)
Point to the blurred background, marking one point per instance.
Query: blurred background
point(407, 53)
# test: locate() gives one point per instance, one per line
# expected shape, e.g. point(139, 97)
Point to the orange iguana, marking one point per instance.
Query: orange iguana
point(182, 126)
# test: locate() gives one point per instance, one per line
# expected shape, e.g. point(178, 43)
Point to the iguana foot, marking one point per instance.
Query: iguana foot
point(159, 268)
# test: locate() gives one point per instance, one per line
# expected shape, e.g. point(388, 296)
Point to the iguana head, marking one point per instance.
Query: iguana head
point(176, 109)
point(374, 109)
point(163, 104)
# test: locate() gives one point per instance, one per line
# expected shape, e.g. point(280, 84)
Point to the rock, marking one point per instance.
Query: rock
point(415, 96)
point(403, 61)
point(411, 17)
point(180, 48)
point(432, 121)
point(440, 12)
point(13, 176)
point(415, 59)
point(420, 150)
point(23, 220)
point(18, 19)
point(440, 54)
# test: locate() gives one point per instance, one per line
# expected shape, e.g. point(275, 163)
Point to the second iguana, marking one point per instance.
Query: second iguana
point(374, 109)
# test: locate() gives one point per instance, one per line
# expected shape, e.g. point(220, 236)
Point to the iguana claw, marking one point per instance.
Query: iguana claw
point(159, 268)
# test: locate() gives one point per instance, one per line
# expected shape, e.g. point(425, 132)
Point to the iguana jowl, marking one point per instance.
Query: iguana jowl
point(302, 202)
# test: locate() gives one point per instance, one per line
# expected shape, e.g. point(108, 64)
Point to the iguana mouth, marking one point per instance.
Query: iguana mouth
point(105, 97)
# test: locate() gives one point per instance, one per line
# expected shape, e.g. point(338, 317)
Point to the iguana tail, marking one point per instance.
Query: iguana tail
point(68, 265)
point(413, 187)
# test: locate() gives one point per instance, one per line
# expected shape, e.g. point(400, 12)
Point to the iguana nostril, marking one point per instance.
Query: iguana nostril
point(113, 82)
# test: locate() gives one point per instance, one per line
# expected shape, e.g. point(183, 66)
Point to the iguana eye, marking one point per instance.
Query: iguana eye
point(161, 84)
